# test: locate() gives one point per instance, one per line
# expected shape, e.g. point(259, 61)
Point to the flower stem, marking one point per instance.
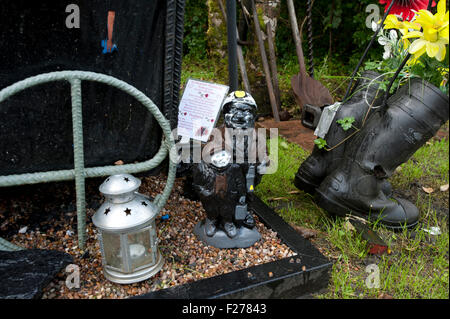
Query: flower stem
point(400, 68)
point(391, 82)
point(341, 142)
point(380, 26)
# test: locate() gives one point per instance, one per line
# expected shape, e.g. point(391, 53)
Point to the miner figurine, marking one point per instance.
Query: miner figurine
point(229, 171)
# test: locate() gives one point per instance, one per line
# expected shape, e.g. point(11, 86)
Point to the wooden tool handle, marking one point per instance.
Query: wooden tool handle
point(297, 38)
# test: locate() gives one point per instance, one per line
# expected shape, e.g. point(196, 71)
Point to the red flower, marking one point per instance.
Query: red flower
point(404, 8)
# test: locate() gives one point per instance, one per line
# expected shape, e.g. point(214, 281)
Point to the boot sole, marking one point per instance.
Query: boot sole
point(304, 185)
point(335, 208)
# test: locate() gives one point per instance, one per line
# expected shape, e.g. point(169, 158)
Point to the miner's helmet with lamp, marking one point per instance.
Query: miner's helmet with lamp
point(239, 110)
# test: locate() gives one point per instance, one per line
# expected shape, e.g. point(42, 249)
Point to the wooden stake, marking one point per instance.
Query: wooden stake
point(296, 34)
point(306, 89)
point(272, 99)
point(222, 8)
point(273, 64)
point(242, 68)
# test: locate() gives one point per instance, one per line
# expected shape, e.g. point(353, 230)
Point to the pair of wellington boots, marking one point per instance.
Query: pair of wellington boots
point(352, 178)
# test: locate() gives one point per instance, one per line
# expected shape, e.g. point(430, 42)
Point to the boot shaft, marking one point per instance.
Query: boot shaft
point(364, 93)
point(426, 103)
point(321, 162)
point(367, 86)
point(391, 136)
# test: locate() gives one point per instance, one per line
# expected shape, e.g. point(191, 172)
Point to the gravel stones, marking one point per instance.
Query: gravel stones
point(187, 259)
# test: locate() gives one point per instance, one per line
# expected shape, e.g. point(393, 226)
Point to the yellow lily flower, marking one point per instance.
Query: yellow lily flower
point(444, 74)
point(410, 26)
point(438, 21)
point(434, 36)
point(392, 22)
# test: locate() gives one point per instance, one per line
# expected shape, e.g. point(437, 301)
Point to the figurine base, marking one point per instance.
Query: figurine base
point(137, 276)
point(245, 237)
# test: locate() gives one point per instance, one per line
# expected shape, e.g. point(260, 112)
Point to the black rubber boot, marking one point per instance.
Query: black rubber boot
point(321, 162)
point(389, 138)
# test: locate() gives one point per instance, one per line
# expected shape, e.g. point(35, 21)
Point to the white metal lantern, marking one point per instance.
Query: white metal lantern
point(128, 238)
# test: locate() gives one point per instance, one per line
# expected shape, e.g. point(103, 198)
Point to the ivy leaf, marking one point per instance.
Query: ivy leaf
point(383, 86)
point(320, 142)
point(346, 122)
point(372, 65)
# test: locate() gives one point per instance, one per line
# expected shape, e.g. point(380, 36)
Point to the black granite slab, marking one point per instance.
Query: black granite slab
point(24, 273)
point(291, 277)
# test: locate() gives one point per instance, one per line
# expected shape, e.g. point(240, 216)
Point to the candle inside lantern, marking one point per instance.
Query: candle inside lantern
point(137, 251)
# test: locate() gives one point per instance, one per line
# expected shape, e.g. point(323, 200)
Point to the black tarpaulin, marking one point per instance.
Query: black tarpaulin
point(36, 124)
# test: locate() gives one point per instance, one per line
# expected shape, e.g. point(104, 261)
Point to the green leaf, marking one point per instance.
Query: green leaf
point(372, 65)
point(346, 122)
point(320, 142)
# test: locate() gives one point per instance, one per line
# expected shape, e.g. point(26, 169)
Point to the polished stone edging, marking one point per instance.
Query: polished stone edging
point(291, 277)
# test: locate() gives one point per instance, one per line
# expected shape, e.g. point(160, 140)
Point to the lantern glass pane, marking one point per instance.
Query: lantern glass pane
point(153, 235)
point(140, 249)
point(112, 250)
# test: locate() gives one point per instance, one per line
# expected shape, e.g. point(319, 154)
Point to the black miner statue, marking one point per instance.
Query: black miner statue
point(229, 170)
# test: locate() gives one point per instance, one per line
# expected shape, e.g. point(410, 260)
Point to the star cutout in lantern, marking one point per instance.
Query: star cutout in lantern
point(128, 211)
point(144, 203)
point(107, 211)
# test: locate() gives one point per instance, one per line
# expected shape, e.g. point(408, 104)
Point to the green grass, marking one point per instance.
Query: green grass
point(298, 206)
point(417, 266)
point(199, 70)
point(429, 161)
point(279, 184)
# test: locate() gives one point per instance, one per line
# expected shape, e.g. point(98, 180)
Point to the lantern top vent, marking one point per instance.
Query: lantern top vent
point(125, 217)
point(119, 184)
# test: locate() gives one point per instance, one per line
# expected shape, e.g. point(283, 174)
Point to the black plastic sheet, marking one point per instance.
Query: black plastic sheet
point(36, 124)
